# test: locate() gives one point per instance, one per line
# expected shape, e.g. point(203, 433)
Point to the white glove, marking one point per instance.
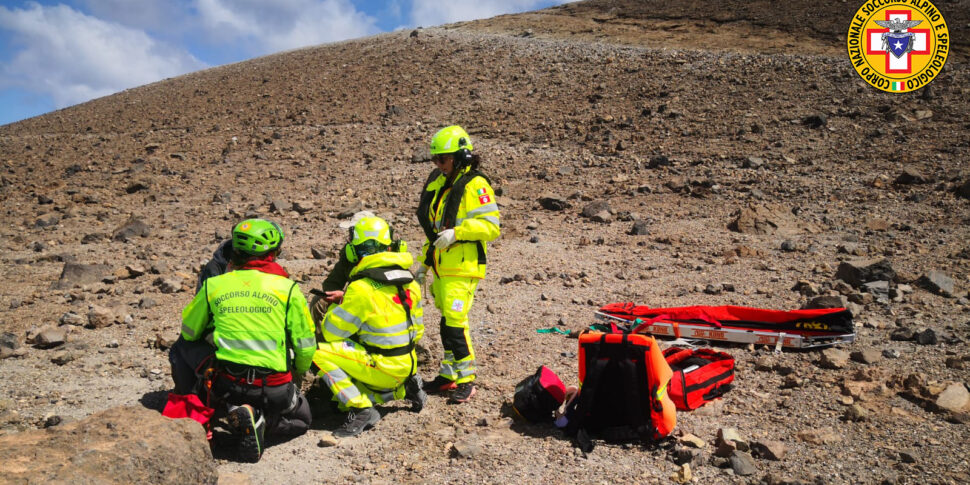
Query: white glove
point(445, 238)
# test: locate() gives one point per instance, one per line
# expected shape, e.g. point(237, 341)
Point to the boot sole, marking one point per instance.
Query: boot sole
point(250, 448)
point(469, 398)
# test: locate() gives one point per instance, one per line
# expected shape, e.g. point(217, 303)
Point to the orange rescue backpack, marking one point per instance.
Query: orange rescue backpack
point(623, 392)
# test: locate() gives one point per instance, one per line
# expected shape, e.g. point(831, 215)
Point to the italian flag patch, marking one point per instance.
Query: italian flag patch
point(481, 191)
point(898, 86)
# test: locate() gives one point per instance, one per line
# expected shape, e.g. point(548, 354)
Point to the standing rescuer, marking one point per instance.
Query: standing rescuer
point(458, 214)
point(368, 355)
point(255, 315)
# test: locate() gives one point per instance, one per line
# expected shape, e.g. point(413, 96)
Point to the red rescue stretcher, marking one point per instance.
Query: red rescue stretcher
point(779, 328)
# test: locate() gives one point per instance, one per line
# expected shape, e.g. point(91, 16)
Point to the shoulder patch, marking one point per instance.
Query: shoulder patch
point(485, 199)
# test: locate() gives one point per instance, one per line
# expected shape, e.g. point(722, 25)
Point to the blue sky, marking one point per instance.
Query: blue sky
point(58, 54)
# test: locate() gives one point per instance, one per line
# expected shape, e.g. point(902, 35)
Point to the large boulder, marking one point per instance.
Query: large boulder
point(75, 274)
point(121, 445)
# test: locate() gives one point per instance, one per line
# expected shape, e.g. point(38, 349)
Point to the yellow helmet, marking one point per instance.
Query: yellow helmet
point(449, 140)
point(370, 235)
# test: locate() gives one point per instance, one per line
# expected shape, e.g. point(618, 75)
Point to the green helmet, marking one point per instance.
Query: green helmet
point(256, 237)
point(449, 140)
point(369, 236)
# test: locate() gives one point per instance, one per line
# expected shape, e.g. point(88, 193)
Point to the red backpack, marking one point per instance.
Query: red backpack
point(700, 376)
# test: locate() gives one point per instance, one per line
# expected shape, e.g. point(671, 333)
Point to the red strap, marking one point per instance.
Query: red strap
point(277, 379)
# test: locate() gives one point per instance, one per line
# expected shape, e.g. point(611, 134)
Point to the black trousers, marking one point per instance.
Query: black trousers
point(284, 407)
point(286, 410)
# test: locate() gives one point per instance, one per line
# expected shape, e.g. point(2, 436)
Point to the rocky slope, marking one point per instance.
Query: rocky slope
point(699, 153)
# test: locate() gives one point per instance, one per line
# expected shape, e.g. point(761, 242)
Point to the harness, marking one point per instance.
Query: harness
point(452, 202)
point(397, 277)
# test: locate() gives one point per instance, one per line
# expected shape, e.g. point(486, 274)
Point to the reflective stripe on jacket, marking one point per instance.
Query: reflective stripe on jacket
point(371, 313)
point(477, 222)
point(256, 317)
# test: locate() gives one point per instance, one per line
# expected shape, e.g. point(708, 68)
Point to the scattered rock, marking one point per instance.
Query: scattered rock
point(145, 303)
point(49, 337)
point(598, 211)
point(327, 440)
point(728, 441)
point(132, 228)
point(303, 206)
point(280, 207)
point(927, 337)
point(825, 301)
point(856, 273)
point(168, 285)
point(815, 121)
point(640, 228)
point(691, 441)
point(769, 450)
point(467, 447)
point(856, 413)
point(867, 356)
point(117, 446)
point(753, 162)
point(820, 436)
point(71, 318)
point(937, 282)
point(100, 317)
point(743, 464)
point(954, 398)
point(963, 190)
point(553, 203)
point(683, 474)
point(136, 187)
point(75, 274)
point(10, 346)
point(910, 176)
point(833, 358)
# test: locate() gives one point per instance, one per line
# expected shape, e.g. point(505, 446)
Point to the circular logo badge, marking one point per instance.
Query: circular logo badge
point(898, 46)
point(244, 226)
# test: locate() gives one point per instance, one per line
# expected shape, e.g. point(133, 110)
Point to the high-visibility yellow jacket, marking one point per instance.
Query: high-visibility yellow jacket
point(371, 313)
point(477, 222)
point(255, 318)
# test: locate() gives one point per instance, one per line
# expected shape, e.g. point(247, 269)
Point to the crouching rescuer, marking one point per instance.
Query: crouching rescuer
point(367, 354)
point(255, 316)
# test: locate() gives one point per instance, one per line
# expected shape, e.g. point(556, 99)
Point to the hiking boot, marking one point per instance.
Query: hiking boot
point(439, 384)
point(358, 420)
point(463, 392)
point(414, 393)
point(249, 429)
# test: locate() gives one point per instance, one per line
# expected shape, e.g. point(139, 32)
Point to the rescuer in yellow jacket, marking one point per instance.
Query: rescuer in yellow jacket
point(459, 215)
point(255, 315)
point(368, 356)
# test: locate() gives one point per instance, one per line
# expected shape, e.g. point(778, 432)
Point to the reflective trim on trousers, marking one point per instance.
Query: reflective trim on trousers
point(233, 344)
point(345, 394)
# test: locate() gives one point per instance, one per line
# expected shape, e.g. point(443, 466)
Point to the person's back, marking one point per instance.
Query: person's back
point(251, 312)
point(255, 315)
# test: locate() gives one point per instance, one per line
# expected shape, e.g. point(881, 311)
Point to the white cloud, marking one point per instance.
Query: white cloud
point(74, 57)
point(151, 15)
point(267, 27)
point(427, 13)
